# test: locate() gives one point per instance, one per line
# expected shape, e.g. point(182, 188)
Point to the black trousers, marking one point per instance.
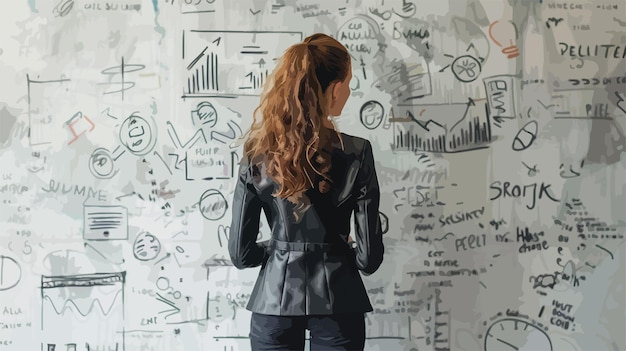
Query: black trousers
point(345, 332)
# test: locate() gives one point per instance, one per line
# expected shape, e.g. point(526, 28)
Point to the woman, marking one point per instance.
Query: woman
point(308, 178)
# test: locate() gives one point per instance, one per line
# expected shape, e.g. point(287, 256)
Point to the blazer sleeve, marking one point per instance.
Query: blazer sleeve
point(244, 251)
point(369, 244)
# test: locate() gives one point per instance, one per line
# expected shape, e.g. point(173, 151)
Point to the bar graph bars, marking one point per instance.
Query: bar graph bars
point(472, 131)
point(231, 63)
point(255, 80)
point(413, 138)
point(204, 78)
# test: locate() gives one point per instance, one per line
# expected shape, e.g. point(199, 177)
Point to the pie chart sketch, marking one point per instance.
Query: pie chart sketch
point(10, 273)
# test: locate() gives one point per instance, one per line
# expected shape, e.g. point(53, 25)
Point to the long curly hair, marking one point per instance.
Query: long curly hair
point(292, 131)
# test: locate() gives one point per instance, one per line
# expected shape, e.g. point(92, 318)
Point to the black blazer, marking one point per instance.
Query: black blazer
point(308, 267)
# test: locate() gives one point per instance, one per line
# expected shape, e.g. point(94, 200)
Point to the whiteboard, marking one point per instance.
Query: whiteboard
point(498, 135)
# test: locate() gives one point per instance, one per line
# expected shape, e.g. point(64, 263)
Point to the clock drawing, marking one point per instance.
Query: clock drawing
point(511, 334)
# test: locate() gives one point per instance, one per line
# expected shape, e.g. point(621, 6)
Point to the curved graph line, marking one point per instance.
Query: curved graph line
point(609, 252)
point(445, 236)
point(93, 303)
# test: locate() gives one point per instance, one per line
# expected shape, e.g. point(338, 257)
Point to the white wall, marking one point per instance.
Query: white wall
point(515, 239)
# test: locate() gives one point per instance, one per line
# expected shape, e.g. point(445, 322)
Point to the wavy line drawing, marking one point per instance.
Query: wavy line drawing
point(445, 236)
point(91, 306)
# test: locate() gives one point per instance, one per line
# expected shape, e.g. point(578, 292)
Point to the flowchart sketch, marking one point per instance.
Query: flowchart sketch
point(231, 63)
point(92, 304)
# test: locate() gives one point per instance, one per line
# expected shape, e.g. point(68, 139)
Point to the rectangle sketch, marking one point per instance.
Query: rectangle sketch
point(210, 161)
point(501, 94)
point(48, 108)
point(105, 223)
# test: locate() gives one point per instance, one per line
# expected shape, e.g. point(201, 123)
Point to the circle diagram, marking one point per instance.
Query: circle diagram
point(213, 205)
point(466, 68)
point(136, 135)
point(146, 246)
point(101, 164)
point(372, 113)
point(205, 114)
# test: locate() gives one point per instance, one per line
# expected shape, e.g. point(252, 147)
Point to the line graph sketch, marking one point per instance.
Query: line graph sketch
point(87, 302)
point(442, 127)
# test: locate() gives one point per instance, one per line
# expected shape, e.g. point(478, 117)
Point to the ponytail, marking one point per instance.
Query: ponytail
point(292, 130)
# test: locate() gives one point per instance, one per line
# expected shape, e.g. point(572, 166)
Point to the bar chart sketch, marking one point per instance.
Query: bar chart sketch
point(228, 64)
point(444, 128)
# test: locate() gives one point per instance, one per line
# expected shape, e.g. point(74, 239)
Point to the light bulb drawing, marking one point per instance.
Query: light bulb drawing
point(504, 34)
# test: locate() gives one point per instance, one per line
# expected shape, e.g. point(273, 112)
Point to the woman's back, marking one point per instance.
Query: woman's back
point(308, 179)
point(307, 266)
